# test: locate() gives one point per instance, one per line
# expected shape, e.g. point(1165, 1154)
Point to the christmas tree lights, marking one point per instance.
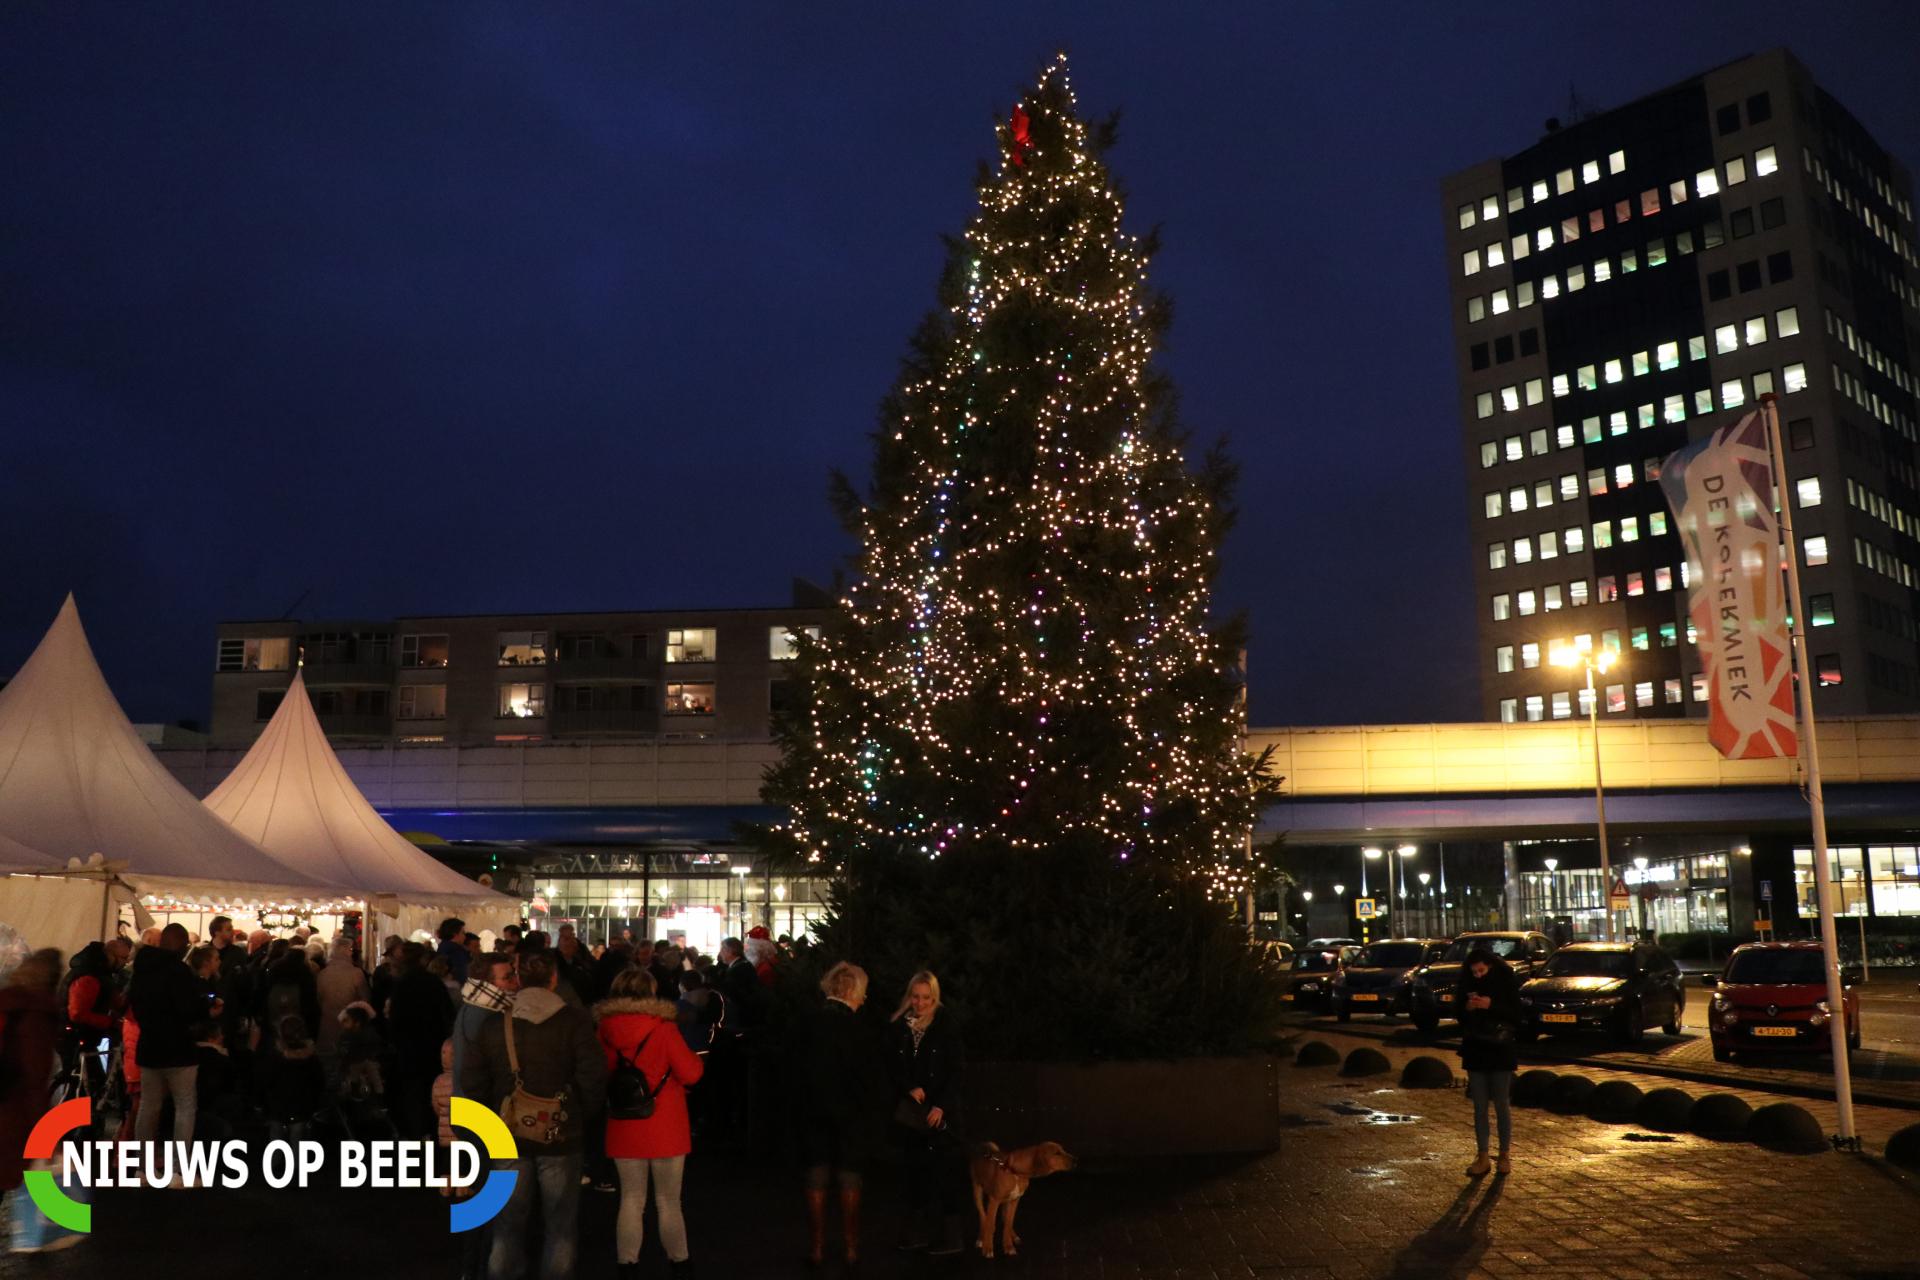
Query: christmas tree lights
point(1026, 660)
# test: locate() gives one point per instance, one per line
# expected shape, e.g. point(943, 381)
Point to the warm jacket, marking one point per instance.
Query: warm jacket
point(843, 1071)
point(480, 1003)
point(702, 1013)
point(559, 1058)
point(669, 1067)
point(936, 1065)
point(419, 1017)
point(168, 1000)
point(29, 1024)
point(337, 986)
point(455, 954)
point(1488, 1037)
point(89, 997)
point(746, 998)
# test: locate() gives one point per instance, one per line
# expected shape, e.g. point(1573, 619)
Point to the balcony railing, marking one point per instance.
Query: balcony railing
point(602, 720)
point(603, 667)
point(351, 725)
point(350, 672)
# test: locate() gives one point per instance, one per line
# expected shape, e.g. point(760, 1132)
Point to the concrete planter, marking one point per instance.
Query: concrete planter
point(1188, 1106)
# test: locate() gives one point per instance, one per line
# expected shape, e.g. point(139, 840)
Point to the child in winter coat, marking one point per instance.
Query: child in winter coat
point(295, 1082)
point(360, 1047)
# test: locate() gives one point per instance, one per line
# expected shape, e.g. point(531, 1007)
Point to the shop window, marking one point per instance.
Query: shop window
point(689, 700)
point(266, 653)
point(423, 651)
point(521, 648)
point(697, 645)
point(423, 702)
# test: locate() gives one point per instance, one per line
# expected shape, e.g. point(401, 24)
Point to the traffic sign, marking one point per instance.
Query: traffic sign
point(1619, 899)
point(1766, 891)
point(1363, 908)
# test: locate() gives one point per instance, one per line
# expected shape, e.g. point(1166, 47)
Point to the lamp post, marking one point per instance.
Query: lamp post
point(1600, 662)
point(1640, 864)
point(1552, 865)
point(1306, 896)
point(1366, 856)
point(1426, 899)
point(1394, 897)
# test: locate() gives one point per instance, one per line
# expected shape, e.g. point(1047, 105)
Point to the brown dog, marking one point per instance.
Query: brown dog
point(999, 1180)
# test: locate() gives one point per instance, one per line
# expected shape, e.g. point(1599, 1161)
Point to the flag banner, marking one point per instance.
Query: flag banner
point(1722, 494)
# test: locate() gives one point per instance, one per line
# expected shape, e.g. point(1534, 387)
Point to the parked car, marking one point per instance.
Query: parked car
point(1619, 987)
point(1310, 983)
point(1433, 988)
point(1773, 995)
point(1276, 950)
point(1375, 981)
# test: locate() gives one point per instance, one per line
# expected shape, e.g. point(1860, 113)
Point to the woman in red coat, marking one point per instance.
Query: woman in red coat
point(638, 1030)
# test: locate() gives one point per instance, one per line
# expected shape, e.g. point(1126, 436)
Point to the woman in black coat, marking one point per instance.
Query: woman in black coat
point(1490, 1022)
point(844, 1074)
point(927, 1062)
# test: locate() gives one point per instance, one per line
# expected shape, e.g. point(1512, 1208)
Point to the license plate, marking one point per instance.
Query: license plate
point(1788, 1032)
point(1447, 999)
point(1559, 1017)
point(1365, 995)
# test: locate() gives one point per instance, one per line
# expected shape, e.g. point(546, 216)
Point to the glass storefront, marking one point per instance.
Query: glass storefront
point(689, 896)
point(1880, 880)
point(1672, 889)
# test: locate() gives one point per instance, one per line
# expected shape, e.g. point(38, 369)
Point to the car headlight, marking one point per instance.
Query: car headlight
point(1822, 1006)
point(1821, 1012)
point(1720, 1000)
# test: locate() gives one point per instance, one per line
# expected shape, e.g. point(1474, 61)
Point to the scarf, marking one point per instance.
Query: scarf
point(484, 994)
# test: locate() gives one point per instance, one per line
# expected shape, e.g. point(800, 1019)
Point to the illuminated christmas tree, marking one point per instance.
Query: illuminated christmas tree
point(1027, 662)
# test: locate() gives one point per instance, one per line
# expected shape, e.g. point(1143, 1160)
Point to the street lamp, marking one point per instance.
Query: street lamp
point(1426, 902)
point(1552, 865)
point(1601, 661)
point(1641, 865)
point(1403, 852)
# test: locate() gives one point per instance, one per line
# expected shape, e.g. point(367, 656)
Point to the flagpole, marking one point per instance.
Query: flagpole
point(1810, 757)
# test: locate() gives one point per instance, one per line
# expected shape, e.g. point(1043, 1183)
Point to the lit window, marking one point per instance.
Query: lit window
point(1699, 686)
point(1703, 401)
point(1617, 423)
point(1814, 548)
point(1549, 549)
point(1614, 372)
point(1537, 441)
point(1794, 378)
point(1786, 322)
point(1820, 611)
point(1610, 640)
point(1674, 409)
point(1587, 377)
point(1562, 705)
point(1656, 253)
point(1523, 550)
point(1550, 594)
point(1523, 603)
point(1493, 504)
point(1670, 690)
point(1603, 534)
point(1607, 590)
point(1476, 309)
point(1765, 162)
point(1516, 200)
point(1499, 302)
point(1543, 238)
point(1521, 247)
point(1667, 354)
point(1705, 183)
point(1536, 391)
point(1637, 638)
point(1826, 667)
point(780, 641)
point(1656, 523)
point(1602, 270)
point(270, 653)
point(1467, 216)
point(1590, 171)
point(1577, 593)
point(1569, 229)
point(1763, 383)
point(1550, 287)
point(521, 648)
point(1663, 579)
point(1623, 211)
point(1756, 328)
point(522, 701)
point(1490, 208)
point(1470, 260)
point(1516, 448)
point(1649, 202)
point(1736, 171)
point(1563, 436)
point(1645, 413)
point(1697, 348)
point(1669, 635)
point(1590, 429)
point(697, 645)
point(1543, 493)
point(1643, 694)
point(1576, 540)
point(1523, 294)
point(1677, 192)
point(1536, 707)
point(1560, 387)
point(1637, 586)
point(1530, 656)
point(1683, 242)
point(1726, 338)
point(1623, 475)
point(1503, 659)
point(1562, 183)
point(1597, 481)
point(1496, 254)
point(1517, 499)
point(1629, 528)
point(1483, 405)
point(1509, 710)
point(1616, 699)
point(1732, 393)
point(1489, 453)
point(689, 700)
point(1510, 399)
point(1616, 161)
point(1496, 555)
point(1539, 191)
point(1585, 699)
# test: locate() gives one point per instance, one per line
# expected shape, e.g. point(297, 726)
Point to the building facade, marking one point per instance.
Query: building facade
point(502, 678)
point(1634, 281)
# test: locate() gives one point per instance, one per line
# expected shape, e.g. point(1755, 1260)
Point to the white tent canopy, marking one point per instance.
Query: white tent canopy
point(76, 780)
point(291, 794)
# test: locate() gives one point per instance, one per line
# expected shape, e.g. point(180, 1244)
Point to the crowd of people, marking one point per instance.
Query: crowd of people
point(609, 1065)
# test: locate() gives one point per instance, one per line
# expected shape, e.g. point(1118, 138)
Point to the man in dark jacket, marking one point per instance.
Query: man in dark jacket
point(559, 1057)
point(168, 1001)
point(452, 948)
point(419, 1018)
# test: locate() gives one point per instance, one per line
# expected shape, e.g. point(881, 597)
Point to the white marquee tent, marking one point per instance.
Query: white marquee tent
point(292, 795)
point(76, 781)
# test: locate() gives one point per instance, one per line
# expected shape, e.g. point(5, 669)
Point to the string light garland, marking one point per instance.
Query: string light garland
point(1026, 660)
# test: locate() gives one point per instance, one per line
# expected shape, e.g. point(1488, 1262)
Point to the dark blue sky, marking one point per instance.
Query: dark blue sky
point(477, 307)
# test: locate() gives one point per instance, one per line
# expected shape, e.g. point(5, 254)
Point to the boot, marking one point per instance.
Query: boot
point(1505, 1166)
point(816, 1226)
point(850, 1223)
point(1480, 1167)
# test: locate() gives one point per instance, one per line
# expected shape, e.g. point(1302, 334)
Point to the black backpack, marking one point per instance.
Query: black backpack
point(629, 1096)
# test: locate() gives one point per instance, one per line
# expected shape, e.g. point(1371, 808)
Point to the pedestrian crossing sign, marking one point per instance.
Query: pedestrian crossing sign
point(1363, 908)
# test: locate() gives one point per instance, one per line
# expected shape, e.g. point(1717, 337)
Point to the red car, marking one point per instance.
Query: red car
point(1773, 995)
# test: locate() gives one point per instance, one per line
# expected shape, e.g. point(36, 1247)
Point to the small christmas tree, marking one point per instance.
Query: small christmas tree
point(1027, 662)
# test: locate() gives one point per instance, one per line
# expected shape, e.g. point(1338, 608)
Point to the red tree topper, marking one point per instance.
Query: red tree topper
point(1021, 130)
